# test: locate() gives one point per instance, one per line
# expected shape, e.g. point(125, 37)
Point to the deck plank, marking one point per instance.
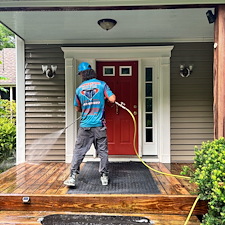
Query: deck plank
point(14, 180)
point(174, 181)
point(164, 181)
point(176, 168)
point(47, 173)
point(49, 178)
point(30, 178)
point(159, 185)
point(64, 189)
point(62, 176)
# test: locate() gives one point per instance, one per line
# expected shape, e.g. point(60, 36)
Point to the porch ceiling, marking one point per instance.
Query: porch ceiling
point(133, 26)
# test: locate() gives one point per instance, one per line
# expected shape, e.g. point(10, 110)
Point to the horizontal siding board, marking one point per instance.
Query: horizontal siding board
point(190, 108)
point(45, 125)
point(44, 143)
point(191, 120)
point(41, 77)
point(192, 114)
point(45, 93)
point(186, 141)
point(193, 103)
point(192, 131)
point(50, 153)
point(183, 158)
point(31, 138)
point(44, 61)
point(43, 88)
point(41, 83)
point(42, 131)
point(189, 153)
point(192, 136)
point(185, 147)
point(44, 104)
point(47, 54)
point(191, 99)
point(44, 109)
point(44, 115)
point(45, 120)
point(60, 99)
point(191, 125)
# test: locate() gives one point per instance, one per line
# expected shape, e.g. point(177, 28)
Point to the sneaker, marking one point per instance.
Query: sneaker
point(104, 179)
point(71, 181)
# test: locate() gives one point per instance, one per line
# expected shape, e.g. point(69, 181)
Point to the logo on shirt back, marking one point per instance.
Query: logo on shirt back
point(90, 93)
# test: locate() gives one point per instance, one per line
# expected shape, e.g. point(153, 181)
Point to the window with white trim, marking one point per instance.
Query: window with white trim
point(149, 104)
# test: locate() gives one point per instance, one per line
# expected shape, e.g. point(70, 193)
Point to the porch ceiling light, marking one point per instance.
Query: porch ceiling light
point(107, 24)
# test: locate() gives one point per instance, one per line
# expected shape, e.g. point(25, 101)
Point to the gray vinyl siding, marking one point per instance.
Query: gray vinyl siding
point(191, 99)
point(44, 104)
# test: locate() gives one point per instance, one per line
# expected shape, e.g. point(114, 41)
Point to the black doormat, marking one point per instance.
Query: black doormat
point(124, 178)
point(70, 219)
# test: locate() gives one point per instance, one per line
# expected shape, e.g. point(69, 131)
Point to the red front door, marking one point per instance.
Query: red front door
point(122, 78)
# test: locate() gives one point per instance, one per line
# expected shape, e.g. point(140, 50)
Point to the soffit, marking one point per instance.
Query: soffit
point(133, 26)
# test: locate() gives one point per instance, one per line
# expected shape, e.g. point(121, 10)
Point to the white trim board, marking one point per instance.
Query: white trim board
point(20, 101)
point(158, 56)
point(102, 3)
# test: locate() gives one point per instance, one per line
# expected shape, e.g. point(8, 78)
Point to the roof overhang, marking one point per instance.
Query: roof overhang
point(70, 22)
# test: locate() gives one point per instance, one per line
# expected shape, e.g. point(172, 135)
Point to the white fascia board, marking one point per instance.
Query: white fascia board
point(102, 3)
point(121, 41)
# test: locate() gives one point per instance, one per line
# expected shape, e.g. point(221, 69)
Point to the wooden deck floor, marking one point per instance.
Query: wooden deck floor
point(47, 178)
point(43, 184)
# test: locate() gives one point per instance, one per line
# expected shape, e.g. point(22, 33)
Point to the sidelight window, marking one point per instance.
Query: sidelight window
point(148, 104)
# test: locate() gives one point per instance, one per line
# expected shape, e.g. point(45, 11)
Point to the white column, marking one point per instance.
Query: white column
point(70, 114)
point(164, 111)
point(20, 101)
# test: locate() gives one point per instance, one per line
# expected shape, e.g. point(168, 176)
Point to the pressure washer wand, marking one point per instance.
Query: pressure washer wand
point(71, 124)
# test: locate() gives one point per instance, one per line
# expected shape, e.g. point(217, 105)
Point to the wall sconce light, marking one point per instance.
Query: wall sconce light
point(107, 24)
point(49, 72)
point(210, 16)
point(185, 71)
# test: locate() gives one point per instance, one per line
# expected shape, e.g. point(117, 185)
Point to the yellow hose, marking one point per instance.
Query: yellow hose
point(191, 211)
point(157, 171)
point(135, 149)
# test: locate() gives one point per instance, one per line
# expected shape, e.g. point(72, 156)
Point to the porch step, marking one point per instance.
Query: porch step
point(31, 217)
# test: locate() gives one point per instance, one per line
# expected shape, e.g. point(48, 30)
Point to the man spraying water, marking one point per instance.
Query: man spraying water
point(90, 101)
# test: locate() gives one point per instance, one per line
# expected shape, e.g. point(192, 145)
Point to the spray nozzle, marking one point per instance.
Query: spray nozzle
point(121, 104)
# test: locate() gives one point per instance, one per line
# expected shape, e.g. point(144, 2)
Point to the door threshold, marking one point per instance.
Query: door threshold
point(116, 158)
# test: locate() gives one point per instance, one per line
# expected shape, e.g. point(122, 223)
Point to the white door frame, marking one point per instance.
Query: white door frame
point(159, 56)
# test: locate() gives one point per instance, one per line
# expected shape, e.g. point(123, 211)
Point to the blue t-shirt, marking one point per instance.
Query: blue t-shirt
point(90, 96)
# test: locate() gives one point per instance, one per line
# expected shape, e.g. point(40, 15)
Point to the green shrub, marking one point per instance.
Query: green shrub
point(7, 130)
point(209, 175)
point(7, 138)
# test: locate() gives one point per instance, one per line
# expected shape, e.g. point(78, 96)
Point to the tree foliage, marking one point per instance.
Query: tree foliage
point(7, 38)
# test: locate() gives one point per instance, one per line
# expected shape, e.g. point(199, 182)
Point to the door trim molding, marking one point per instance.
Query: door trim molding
point(92, 54)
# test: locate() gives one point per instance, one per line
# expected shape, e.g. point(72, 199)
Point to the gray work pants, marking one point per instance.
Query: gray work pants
point(86, 136)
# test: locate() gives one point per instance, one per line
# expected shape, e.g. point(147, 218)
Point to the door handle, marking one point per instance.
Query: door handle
point(117, 109)
point(135, 113)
